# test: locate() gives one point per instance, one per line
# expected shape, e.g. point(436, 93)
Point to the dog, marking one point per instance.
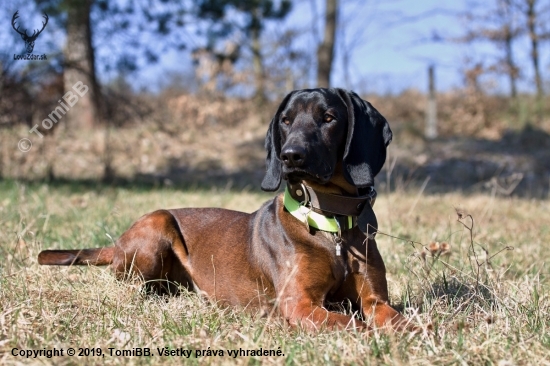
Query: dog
point(307, 247)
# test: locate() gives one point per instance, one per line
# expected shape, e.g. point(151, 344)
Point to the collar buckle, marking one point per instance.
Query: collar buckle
point(303, 192)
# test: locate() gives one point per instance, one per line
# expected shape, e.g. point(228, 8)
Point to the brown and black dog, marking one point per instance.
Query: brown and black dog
point(328, 144)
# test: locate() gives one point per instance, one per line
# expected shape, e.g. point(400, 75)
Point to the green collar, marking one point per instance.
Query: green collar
point(313, 218)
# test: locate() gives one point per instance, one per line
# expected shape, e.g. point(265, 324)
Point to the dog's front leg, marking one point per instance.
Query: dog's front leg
point(367, 288)
point(310, 316)
point(362, 291)
point(300, 299)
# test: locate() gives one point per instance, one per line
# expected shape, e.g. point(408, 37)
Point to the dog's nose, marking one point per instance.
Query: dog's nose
point(293, 156)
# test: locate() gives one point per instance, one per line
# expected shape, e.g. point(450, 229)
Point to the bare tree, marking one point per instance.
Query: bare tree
point(530, 10)
point(256, 14)
point(506, 35)
point(352, 27)
point(499, 26)
point(325, 52)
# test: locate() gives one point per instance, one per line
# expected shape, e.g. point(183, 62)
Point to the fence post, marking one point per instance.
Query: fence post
point(431, 110)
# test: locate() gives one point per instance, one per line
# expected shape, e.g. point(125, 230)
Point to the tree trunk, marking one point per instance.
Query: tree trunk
point(79, 72)
point(325, 52)
point(258, 63)
point(510, 65)
point(531, 25)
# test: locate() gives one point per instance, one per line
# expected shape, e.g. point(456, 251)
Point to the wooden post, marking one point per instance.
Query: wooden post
point(431, 110)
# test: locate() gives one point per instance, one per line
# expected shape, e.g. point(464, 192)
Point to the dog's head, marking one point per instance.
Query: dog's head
point(314, 130)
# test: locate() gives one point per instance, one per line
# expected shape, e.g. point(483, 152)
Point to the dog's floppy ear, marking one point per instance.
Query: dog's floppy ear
point(368, 136)
point(272, 178)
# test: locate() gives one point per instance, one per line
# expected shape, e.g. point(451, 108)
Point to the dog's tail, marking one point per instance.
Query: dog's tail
point(92, 257)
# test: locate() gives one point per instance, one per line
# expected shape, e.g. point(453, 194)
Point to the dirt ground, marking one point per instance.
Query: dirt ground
point(518, 163)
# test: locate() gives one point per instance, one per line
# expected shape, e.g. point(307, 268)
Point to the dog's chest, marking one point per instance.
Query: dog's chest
point(340, 269)
point(337, 249)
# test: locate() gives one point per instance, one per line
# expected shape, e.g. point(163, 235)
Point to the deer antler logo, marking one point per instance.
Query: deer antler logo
point(29, 40)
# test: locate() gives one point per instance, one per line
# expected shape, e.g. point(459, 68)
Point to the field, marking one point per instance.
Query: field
point(486, 293)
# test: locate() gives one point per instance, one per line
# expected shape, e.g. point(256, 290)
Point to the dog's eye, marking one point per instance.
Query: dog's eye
point(328, 118)
point(285, 120)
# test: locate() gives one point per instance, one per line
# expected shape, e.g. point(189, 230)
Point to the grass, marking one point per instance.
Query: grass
point(487, 304)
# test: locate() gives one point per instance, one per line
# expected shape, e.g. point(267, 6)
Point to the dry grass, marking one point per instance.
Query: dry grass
point(463, 112)
point(492, 313)
point(189, 139)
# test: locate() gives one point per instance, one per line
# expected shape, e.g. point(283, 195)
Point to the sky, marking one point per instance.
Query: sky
point(398, 46)
point(389, 46)
point(395, 49)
